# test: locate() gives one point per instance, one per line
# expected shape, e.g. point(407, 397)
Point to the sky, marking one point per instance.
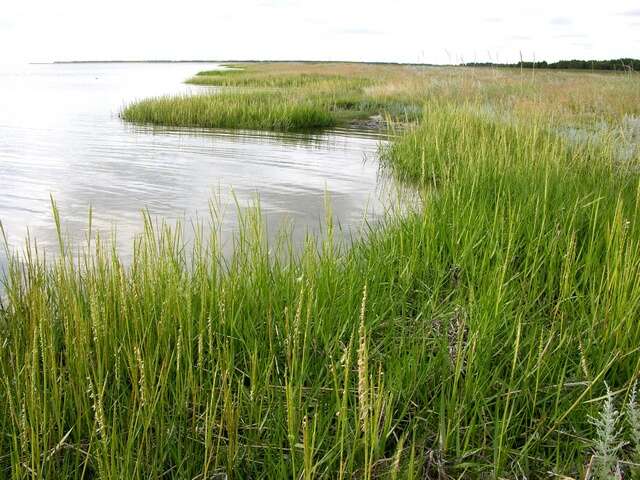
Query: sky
point(412, 31)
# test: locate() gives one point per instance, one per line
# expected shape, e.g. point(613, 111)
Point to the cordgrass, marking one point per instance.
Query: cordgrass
point(472, 338)
point(258, 111)
point(239, 78)
point(259, 97)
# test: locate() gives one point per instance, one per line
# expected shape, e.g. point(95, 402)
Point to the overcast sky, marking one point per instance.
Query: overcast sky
point(445, 31)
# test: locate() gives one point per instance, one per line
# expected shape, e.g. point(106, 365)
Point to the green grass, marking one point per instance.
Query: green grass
point(258, 111)
point(254, 98)
point(349, 93)
point(265, 110)
point(471, 338)
point(239, 78)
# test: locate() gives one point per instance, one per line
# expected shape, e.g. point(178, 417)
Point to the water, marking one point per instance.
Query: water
point(60, 136)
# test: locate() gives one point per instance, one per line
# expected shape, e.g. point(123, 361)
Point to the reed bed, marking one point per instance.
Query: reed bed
point(478, 337)
point(257, 111)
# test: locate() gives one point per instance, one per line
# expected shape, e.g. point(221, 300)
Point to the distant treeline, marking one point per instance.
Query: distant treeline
point(624, 64)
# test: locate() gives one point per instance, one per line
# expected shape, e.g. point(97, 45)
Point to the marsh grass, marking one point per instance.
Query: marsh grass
point(282, 99)
point(469, 339)
point(259, 111)
point(240, 78)
point(348, 93)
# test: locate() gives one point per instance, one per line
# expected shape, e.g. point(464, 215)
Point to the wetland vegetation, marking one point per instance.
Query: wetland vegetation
point(491, 332)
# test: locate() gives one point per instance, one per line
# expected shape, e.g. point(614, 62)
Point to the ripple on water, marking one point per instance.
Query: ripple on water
point(60, 135)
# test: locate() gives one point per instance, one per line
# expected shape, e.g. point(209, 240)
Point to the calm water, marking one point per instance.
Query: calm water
point(60, 135)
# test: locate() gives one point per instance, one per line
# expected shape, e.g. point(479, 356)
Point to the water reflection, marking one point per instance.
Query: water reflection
point(60, 135)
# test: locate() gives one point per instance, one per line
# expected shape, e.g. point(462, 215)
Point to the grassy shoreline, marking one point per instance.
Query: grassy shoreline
point(264, 111)
point(297, 96)
point(280, 97)
point(472, 339)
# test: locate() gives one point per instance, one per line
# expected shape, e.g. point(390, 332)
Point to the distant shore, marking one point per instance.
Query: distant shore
point(238, 61)
point(622, 64)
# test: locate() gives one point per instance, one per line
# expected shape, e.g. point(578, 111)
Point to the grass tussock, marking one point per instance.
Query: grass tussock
point(263, 111)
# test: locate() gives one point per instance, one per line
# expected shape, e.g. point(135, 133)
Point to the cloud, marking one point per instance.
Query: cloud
point(631, 13)
point(561, 21)
point(357, 31)
point(277, 3)
point(6, 24)
point(571, 35)
point(519, 37)
point(493, 20)
point(315, 21)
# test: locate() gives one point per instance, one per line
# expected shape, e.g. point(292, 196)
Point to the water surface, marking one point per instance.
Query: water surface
point(60, 136)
